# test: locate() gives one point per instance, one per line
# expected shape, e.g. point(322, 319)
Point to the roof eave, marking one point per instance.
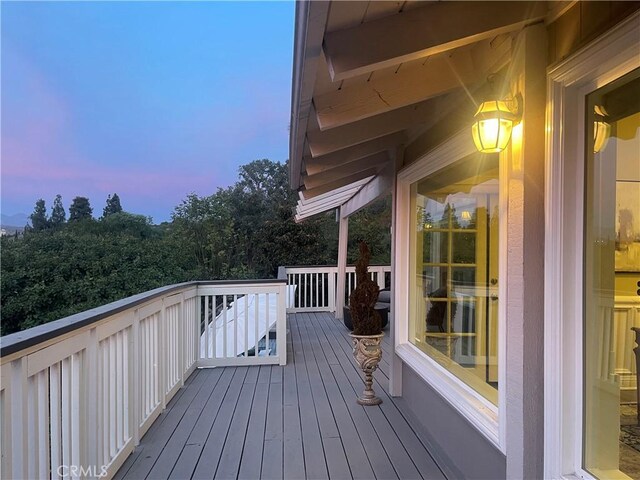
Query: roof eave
point(310, 24)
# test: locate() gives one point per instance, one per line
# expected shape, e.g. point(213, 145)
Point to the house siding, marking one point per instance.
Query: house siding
point(457, 446)
point(582, 23)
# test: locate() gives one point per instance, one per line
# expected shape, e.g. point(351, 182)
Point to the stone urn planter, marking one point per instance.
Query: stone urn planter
point(367, 326)
point(367, 351)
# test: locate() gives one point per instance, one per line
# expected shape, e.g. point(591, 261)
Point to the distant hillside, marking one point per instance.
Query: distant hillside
point(14, 222)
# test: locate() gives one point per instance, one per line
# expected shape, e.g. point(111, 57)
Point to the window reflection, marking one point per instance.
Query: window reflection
point(612, 270)
point(454, 305)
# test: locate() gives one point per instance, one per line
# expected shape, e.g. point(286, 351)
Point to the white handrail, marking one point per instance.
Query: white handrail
point(76, 396)
point(316, 286)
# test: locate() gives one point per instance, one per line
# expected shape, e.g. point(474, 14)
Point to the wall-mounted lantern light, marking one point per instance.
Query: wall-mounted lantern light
point(493, 124)
point(601, 129)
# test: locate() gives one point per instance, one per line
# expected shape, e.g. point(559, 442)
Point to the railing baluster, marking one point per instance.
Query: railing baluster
point(213, 331)
point(32, 422)
point(206, 327)
point(66, 411)
point(148, 370)
point(75, 389)
point(113, 420)
point(104, 402)
point(43, 423)
point(119, 402)
point(256, 301)
point(225, 326)
point(246, 325)
point(55, 402)
point(125, 385)
point(235, 325)
point(156, 361)
point(135, 380)
point(266, 326)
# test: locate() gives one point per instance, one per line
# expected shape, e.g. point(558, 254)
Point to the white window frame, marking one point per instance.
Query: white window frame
point(488, 418)
point(609, 57)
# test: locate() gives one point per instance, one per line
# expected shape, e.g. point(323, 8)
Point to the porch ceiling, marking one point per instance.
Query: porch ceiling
point(372, 78)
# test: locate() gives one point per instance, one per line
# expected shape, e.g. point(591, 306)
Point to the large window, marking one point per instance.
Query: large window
point(612, 279)
point(454, 270)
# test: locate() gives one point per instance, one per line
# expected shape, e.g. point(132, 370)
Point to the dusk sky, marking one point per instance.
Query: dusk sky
point(148, 100)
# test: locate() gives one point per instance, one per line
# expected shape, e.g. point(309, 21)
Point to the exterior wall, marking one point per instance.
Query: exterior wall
point(524, 318)
point(582, 23)
point(458, 448)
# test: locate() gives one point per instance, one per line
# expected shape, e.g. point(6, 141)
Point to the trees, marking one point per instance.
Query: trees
point(247, 230)
point(372, 225)
point(58, 215)
point(112, 206)
point(39, 216)
point(244, 231)
point(203, 226)
point(80, 209)
point(53, 274)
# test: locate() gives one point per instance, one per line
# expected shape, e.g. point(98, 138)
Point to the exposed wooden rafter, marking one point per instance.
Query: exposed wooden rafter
point(326, 162)
point(412, 83)
point(351, 168)
point(422, 32)
point(329, 141)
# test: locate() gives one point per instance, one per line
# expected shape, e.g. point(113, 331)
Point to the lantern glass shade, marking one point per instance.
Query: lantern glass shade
point(492, 127)
point(601, 129)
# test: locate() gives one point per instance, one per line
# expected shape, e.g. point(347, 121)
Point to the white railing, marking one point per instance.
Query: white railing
point(617, 359)
point(76, 395)
point(232, 317)
point(315, 287)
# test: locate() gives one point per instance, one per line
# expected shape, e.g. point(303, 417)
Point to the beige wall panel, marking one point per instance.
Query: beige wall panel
point(582, 23)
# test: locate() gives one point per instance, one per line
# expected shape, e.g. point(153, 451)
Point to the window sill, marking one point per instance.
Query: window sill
point(477, 410)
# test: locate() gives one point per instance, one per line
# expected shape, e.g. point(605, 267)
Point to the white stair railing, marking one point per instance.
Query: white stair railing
point(76, 395)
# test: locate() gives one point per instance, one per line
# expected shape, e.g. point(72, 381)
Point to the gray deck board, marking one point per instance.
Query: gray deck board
point(170, 453)
point(292, 435)
point(229, 464)
point(208, 461)
point(272, 454)
point(192, 450)
point(300, 421)
point(402, 462)
point(356, 456)
point(159, 437)
point(251, 462)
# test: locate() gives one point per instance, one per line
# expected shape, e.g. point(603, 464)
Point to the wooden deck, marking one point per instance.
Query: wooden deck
point(295, 422)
